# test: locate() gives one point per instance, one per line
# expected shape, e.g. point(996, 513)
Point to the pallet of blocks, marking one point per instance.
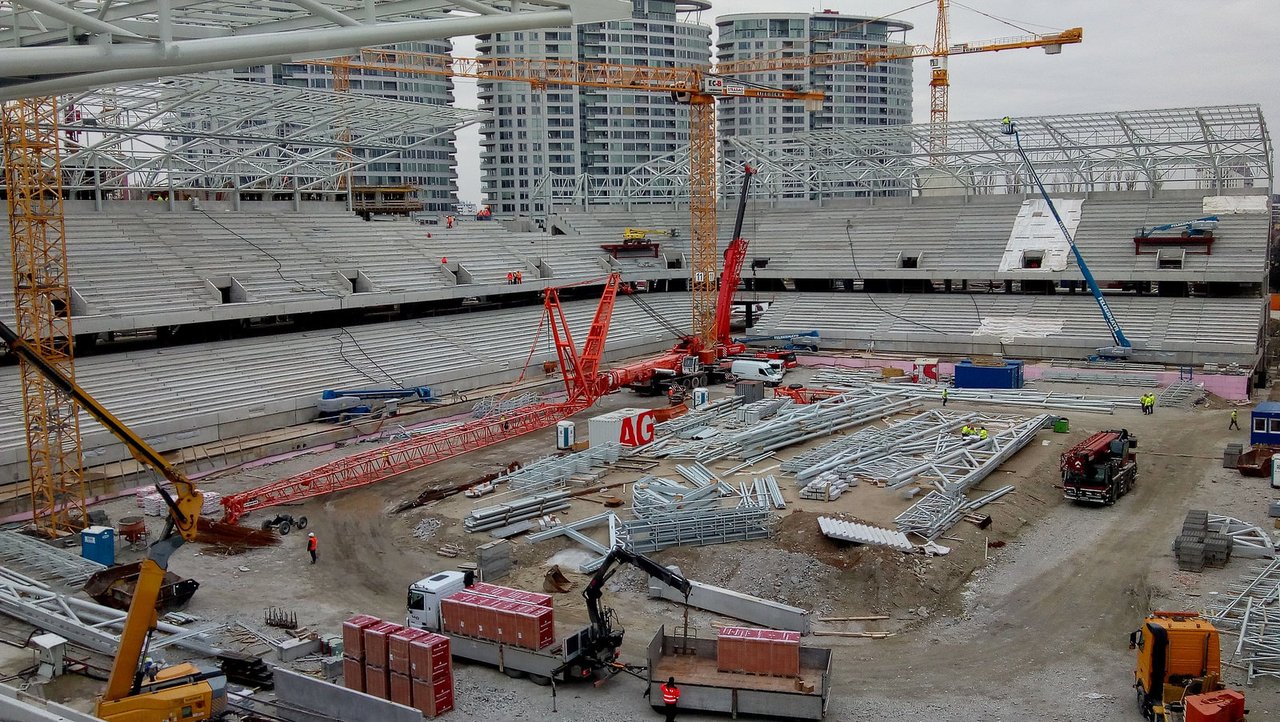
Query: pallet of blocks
point(411, 667)
point(828, 486)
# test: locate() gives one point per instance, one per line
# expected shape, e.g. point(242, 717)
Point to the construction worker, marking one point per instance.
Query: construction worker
point(944, 395)
point(150, 669)
point(448, 221)
point(670, 698)
point(966, 431)
point(311, 546)
point(511, 277)
point(982, 433)
point(519, 277)
point(1235, 420)
point(1151, 404)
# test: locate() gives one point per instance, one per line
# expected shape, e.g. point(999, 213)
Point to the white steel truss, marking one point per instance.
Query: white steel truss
point(1198, 148)
point(54, 46)
point(200, 133)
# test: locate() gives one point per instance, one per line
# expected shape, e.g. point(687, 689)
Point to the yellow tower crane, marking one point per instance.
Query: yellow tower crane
point(42, 311)
point(938, 52)
point(696, 86)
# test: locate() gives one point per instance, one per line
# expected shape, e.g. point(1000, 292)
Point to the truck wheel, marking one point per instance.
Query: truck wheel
point(540, 680)
point(285, 526)
point(302, 522)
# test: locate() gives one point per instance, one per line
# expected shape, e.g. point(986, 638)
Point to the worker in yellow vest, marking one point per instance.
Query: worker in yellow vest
point(1235, 420)
point(982, 433)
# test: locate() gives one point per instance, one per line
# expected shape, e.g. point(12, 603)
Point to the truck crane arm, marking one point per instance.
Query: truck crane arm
point(734, 255)
point(184, 514)
point(1122, 345)
point(601, 617)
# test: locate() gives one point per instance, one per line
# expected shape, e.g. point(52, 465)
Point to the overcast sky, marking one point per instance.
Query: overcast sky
point(1136, 54)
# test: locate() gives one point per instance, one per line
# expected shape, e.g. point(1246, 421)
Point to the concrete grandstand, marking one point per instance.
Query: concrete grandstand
point(909, 272)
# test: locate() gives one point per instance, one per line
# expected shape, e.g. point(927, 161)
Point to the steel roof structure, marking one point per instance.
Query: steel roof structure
point(1197, 148)
point(49, 47)
point(188, 133)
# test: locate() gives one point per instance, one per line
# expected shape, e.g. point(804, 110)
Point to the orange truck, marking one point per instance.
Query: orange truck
point(1178, 673)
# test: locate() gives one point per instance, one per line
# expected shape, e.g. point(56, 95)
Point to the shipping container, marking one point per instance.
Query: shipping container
point(629, 427)
point(375, 642)
point(353, 635)
point(430, 658)
point(353, 673)
point(515, 595)
point(398, 649)
point(1009, 375)
point(401, 690)
point(433, 698)
point(376, 682)
point(758, 651)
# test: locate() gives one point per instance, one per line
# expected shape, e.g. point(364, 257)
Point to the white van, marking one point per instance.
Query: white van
point(756, 370)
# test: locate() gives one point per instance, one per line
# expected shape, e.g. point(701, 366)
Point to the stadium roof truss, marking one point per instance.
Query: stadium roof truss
point(1197, 148)
point(49, 47)
point(188, 133)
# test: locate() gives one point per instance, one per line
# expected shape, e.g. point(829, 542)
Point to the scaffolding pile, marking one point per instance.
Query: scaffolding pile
point(938, 511)
point(555, 472)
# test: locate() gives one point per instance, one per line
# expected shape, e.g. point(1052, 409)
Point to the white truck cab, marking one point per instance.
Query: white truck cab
point(425, 596)
point(756, 370)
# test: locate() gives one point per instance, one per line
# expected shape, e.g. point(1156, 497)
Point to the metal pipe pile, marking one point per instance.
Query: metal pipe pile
point(1245, 608)
point(936, 512)
point(652, 495)
point(489, 405)
point(876, 443)
point(695, 528)
point(1069, 376)
point(1005, 397)
point(499, 515)
point(555, 471)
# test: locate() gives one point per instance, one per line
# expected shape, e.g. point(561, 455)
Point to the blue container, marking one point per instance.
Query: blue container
point(1264, 428)
point(971, 376)
point(98, 544)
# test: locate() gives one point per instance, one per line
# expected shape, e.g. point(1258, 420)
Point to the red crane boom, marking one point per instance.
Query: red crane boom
point(389, 460)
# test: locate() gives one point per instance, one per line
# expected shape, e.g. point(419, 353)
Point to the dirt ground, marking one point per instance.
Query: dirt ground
point(1036, 627)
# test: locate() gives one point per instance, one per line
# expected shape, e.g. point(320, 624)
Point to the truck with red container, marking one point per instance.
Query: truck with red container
point(515, 630)
point(743, 671)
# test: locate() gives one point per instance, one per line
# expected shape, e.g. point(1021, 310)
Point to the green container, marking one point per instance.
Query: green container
point(1062, 425)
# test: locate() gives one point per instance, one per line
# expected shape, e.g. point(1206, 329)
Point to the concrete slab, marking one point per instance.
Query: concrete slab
point(314, 700)
point(745, 607)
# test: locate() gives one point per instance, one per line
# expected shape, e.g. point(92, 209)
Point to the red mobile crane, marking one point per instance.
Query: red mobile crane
point(1100, 469)
point(691, 363)
point(580, 371)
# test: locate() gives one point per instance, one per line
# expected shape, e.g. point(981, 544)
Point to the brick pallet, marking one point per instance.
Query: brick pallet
point(412, 667)
point(766, 652)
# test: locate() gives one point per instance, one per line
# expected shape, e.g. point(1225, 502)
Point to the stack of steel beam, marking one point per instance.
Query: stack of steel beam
point(652, 495)
point(528, 507)
point(1072, 376)
point(868, 445)
point(1181, 394)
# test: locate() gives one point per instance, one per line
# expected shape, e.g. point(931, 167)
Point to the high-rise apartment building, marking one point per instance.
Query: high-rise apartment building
point(567, 131)
point(429, 169)
point(856, 94)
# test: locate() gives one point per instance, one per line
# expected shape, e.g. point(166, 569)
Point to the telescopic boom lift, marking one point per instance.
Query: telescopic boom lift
point(1122, 347)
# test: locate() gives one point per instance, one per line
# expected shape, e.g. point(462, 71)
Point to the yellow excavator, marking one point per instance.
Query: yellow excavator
point(1178, 674)
point(182, 692)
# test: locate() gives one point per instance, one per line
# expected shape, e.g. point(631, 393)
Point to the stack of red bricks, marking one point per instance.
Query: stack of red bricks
point(412, 667)
point(500, 614)
point(758, 651)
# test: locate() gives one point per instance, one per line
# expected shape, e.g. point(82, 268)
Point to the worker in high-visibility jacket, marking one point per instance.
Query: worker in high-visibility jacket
point(1235, 420)
point(670, 698)
point(966, 431)
point(982, 433)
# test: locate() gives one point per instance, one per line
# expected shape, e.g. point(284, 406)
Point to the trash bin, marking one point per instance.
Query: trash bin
point(1062, 425)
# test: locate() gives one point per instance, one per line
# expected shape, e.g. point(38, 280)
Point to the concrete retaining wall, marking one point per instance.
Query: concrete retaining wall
point(329, 702)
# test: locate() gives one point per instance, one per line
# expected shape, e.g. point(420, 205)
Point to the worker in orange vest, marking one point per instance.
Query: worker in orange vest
point(511, 277)
point(670, 697)
point(311, 546)
point(448, 221)
point(519, 277)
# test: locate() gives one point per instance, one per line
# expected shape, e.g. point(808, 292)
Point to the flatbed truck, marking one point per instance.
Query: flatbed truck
point(692, 661)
